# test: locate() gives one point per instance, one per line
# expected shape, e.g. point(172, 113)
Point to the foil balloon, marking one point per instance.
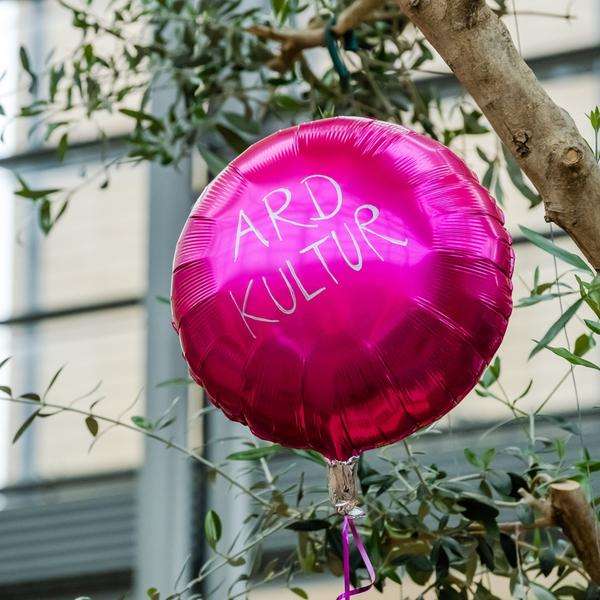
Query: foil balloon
point(341, 284)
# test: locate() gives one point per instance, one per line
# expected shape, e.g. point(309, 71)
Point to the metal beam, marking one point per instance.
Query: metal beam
point(165, 495)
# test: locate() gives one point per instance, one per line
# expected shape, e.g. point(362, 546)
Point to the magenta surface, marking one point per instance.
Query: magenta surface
point(341, 284)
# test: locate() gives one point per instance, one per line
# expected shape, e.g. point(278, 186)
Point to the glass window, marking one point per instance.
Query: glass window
point(546, 369)
point(44, 29)
point(96, 252)
point(578, 105)
point(105, 348)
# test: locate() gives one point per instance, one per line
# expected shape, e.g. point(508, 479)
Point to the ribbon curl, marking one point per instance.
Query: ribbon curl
point(348, 527)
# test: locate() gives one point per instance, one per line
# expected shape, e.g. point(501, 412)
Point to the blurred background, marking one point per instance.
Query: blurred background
point(91, 296)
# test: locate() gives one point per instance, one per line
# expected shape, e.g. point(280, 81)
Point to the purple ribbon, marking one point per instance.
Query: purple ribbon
point(348, 527)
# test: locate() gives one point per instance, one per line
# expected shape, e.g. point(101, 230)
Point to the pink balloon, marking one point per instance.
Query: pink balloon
point(341, 284)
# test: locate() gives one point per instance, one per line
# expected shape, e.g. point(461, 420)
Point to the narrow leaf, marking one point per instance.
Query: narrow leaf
point(556, 327)
point(30, 419)
point(592, 325)
point(214, 163)
point(255, 453)
point(142, 423)
point(92, 425)
point(548, 246)
point(53, 380)
point(212, 528)
point(572, 358)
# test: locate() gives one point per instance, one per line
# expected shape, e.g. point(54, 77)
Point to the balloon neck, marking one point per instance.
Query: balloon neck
point(344, 491)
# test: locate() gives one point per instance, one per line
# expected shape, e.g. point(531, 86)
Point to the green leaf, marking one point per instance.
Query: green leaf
point(491, 374)
point(256, 453)
point(4, 361)
point(309, 525)
point(547, 561)
point(419, 568)
point(26, 64)
point(53, 381)
point(541, 242)
point(531, 300)
point(153, 593)
point(176, 381)
point(486, 181)
point(472, 457)
point(286, 102)
point(166, 423)
point(592, 325)
point(26, 192)
point(556, 327)
point(142, 423)
point(486, 553)
point(594, 118)
point(62, 147)
point(232, 139)
point(45, 215)
point(30, 419)
point(590, 292)
point(525, 514)
point(572, 358)
point(6, 390)
point(480, 151)
point(583, 344)
point(31, 396)
point(311, 455)
point(540, 592)
point(212, 528)
point(214, 163)
point(500, 481)
point(56, 74)
point(499, 192)
point(516, 177)
point(281, 9)
point(141, 116)
point(299, 592)
point(92, 425)
point(242, 123)
point(478, 508)
point(488, 456)
point(509, 548)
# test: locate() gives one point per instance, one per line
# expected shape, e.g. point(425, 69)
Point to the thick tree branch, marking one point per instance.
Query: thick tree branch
point(572, 512)
point(293, 41)
point(543, 137)
point(476, 45)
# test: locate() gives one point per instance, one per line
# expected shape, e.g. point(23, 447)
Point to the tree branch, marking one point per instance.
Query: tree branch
point(293, 41)
point(543, 137)
point(572, 512)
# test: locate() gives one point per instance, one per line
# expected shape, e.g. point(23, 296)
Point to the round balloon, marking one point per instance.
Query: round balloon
point(341, 284)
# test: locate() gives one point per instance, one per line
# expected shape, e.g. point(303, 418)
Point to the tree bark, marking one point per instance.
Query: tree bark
point(543, 137)
point(572, 512)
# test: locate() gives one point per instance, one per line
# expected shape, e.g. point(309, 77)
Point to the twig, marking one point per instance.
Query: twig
point(169, 443)
point(294, 41)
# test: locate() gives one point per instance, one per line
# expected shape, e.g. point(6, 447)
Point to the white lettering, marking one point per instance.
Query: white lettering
point(338, 195)
point(285, 311)
point(275, 215)
point(240, 232)
point(244, 312)
point(364, 227)
point(359, 260)
point(315, 247)
point(308, 296)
